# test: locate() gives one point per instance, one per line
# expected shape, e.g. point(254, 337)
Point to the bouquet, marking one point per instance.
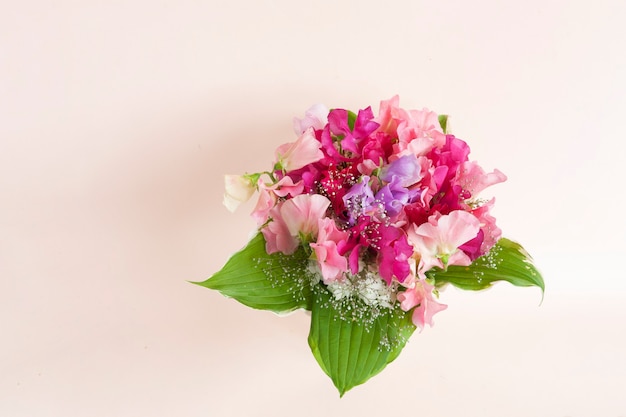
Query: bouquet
point(362, 220)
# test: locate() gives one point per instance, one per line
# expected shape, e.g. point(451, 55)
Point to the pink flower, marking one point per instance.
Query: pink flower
point(474, 179)
point(268, 195)
point(277, 236)
point(492, 233)
point(239, 189)
point(437, 241)
point(295, 155)
point(388, 115)
point(418, 131)
point(267, 200)
point(316, 117)
point(301, 213)
point(329, 240)
point(420, 294)
point(293, 220)
point(285, 186)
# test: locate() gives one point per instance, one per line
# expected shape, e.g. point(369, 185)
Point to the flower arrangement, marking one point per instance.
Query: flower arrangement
point(362, 220)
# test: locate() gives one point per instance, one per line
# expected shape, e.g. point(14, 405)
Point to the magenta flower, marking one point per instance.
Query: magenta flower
point(335, 183)
point(394, 253)
point(354, 139)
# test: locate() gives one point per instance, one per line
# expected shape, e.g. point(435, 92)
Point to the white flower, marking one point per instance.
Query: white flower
point(239, 189)
point(368, 286)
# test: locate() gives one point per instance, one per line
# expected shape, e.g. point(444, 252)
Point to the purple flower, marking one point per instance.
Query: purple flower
point(394, 197)
point(405, 170)
point(359, 199)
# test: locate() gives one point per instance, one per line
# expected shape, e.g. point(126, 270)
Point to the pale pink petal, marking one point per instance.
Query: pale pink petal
point(492, 232)
point(305, 150)
point(331, 263)
point(316, 117)
point(268, 196)
point(455, 229)
point(328, 231)
point(286, 187)
point(267, 200)
point(301, 213)
point(436, 243)
point(387, 111)
point(277, 236)
point(420, 297)
point(428, 140)
point(474, 179)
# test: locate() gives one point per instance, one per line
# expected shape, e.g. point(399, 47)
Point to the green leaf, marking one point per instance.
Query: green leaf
point(443, 121)
point(276, 282)
point(351, 341)
point(351, 119)
point(506, 261)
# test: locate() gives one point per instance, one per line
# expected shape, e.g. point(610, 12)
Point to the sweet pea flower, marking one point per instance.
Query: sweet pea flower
point(492, 233)
point(268, 196)
point(239, 189)
point(406, 169)
point(393, 197)
point(418, 131)
point(394, 254)
point(353, 138)
point(277, 236)
point(474, 179)
point(326, 248)
point(420, 296)
point(316, 117)
point(389, 114)
point(359, 199)
point(294, 220)
point(295, 155)
point(301, 213)
point(437, 241)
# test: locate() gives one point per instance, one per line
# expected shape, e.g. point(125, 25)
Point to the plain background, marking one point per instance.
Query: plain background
point(118, 120)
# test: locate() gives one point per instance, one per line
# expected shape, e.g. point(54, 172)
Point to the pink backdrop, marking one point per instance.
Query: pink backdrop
point(118, 120)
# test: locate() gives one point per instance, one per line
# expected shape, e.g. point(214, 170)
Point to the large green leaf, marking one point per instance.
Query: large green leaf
point(354, 344)
point(274, 282)
point(506, 261)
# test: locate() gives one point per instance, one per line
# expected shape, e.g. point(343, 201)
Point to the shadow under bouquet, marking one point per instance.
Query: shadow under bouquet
point(362, 220)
